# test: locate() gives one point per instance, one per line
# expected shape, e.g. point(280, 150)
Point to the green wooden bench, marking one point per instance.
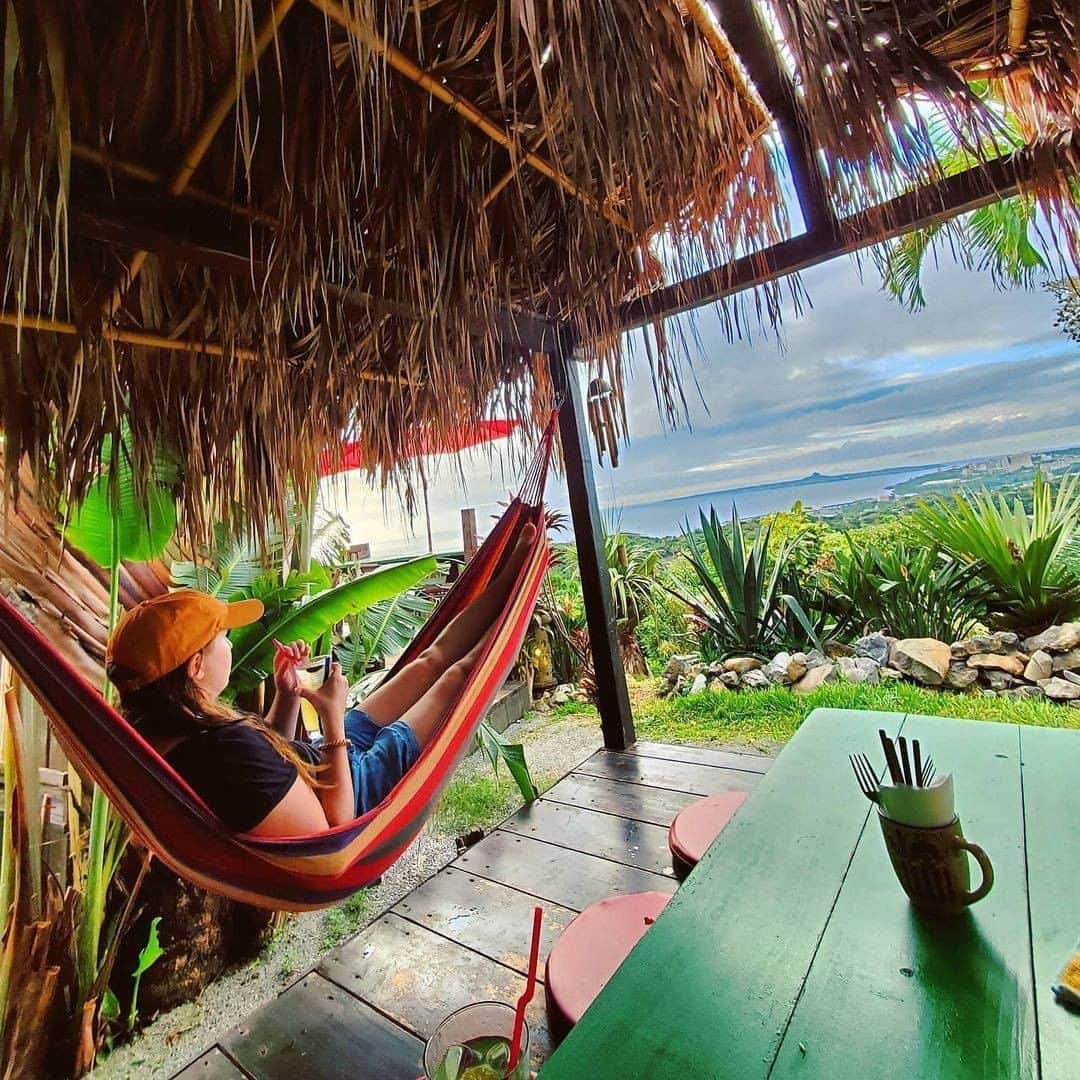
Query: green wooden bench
point(791, 950)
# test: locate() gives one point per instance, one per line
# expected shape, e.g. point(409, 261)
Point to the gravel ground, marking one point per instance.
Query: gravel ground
point(553, 747)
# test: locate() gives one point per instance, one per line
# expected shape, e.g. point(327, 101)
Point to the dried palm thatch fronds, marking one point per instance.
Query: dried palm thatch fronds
point(356, 183)
point(887, 94)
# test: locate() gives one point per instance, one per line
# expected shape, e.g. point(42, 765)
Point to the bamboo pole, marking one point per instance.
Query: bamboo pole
point(403, 65)
point(1019, 13)
point(139, 172)
point(710, 30)
point(223, 105)
point(157, 341)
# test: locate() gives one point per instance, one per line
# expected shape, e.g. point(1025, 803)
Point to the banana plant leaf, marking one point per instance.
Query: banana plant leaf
point(496, 748)
point(254, 657)
point(145, 525)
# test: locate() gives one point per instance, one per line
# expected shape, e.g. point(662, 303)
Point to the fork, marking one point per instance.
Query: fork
point(928, 772)
point(867, 778)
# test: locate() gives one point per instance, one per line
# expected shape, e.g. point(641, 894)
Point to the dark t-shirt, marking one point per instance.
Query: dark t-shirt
point(237, 772)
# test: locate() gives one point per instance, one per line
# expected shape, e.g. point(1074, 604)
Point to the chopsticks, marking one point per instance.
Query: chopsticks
point(891, 759)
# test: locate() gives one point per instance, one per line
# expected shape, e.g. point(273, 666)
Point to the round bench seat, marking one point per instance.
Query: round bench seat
point(590, 949)
point(696, 826)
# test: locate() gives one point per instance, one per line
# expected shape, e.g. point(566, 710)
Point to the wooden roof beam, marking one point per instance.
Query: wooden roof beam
point(752, 42)
point(412, 71)
point(927, 205)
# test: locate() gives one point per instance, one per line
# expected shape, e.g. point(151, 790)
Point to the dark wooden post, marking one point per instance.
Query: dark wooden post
point(616, 719)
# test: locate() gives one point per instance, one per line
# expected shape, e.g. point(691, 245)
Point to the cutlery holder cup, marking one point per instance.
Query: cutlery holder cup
point(933, 865)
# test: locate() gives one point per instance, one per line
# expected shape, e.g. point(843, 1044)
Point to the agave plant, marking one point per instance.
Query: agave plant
point(907, 591)
point(1020, 558)
point(740, 604)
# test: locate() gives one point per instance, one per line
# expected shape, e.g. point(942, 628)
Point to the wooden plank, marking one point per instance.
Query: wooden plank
point(1051, 812)
point(701, 755)
point(619, 839)
point(418, 978)
point(566, 877)
point(613, 698)
point(892, 994)
point(213, 1065)
point(658, 806)
point(676, 775)
point(484, 916)
point(708, 990)
point(316, 1029)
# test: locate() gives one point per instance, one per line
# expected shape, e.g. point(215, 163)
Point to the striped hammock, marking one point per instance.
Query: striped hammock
point(304, 872)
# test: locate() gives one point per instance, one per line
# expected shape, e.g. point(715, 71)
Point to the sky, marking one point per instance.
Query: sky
point(856, 383)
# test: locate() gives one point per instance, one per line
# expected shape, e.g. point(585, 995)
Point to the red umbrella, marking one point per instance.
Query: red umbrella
point(423, 444)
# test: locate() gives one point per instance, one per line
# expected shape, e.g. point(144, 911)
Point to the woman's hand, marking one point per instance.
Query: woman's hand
point(286, 660)
point(329, 699)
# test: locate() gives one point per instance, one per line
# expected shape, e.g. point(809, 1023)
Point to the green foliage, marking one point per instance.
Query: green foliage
point(907, 592)
point(231, 567)
point(1018, 557)
point(765, 718)
point(475, 802)
point(254, 645)
point(149, 955)
point(497, 749)
point(386, 627)
point(143, 518)
point(345, 919)
point(739, 601)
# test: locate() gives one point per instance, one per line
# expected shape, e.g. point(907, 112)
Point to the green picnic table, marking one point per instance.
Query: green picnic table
point(791, 950)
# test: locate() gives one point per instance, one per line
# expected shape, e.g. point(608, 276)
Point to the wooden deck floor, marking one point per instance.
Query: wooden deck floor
point(462, 935)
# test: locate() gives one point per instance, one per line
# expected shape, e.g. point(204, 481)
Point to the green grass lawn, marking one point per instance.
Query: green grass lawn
point(772, 716)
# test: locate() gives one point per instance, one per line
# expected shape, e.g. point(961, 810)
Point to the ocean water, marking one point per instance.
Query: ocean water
point(666, 516)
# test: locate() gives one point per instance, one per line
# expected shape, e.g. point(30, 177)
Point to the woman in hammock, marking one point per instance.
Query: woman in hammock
point(170, 659)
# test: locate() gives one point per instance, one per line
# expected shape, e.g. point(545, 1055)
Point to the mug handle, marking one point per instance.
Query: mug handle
point(985, 865)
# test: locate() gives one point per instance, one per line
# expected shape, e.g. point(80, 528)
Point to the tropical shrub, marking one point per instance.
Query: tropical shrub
point(907, 592)
point(739, 603)
point(1020, 558)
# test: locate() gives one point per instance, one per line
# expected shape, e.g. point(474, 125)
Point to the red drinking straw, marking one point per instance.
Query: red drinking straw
point(527, 993)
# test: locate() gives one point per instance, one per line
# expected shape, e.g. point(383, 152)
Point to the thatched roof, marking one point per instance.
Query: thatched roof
point(336, 208)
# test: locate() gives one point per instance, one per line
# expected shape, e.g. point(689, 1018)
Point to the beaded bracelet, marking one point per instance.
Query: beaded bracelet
point(332, 744)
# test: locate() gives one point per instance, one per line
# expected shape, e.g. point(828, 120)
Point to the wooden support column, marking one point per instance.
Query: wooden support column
point(616, 720)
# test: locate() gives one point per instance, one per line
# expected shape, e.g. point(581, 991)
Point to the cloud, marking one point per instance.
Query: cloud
point(858, 384)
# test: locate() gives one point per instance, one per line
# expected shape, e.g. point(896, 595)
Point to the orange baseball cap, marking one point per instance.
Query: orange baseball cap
point(158, 635)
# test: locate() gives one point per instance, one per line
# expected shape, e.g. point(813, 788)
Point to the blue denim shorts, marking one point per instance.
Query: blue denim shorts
point(378, 757)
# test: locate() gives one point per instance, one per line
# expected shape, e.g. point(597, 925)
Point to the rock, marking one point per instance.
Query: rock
point(1057, 639)
point(874, 647)
point(835, 649)
point(815, 677)
point(755, 679)
point(1060, 689)
point(776, 670)
point(1067, 661)
point(1002, 641)
point(679, 665)
point(961, 676)
point(1039, 667)
point(926, 660)
point(797, 668)
point(1023, 692)
point(729, 679)
point(562, 693)
point(997, 680)
point(815, 658)
point(699, 683)
point(742, 664)
point(888, 674)
point(988, 693)
point(1014, 665)
point(1071, 676)
point(715, 669)
point(858, 669)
